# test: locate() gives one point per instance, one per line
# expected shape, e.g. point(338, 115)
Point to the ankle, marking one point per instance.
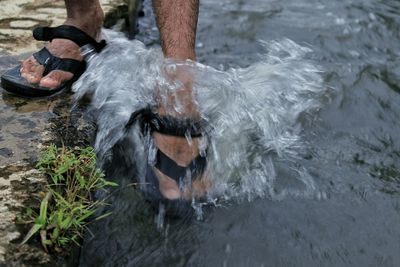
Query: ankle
point(182, 97)
point(89, 22)
point(180, 53)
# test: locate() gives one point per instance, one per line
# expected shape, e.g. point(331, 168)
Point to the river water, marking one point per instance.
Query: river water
point(328, 75)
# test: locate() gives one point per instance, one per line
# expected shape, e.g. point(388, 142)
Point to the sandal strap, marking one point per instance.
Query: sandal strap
point(167, 125)
point(67, 32)
point(50, 62)
point(171, 169)
point(176, 127)
point(173, 126)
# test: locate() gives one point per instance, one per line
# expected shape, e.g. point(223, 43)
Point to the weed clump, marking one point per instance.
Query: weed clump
point(68, 204)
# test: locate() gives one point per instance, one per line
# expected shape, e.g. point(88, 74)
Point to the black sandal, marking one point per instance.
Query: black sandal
point(151, 122)
point(13, 82)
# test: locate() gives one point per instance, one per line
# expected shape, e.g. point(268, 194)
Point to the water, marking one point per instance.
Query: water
point(309, 175)
point(251, 114)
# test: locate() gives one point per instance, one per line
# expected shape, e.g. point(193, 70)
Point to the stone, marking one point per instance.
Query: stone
point(52, 10)
point(24, 24)
point(20, 143)
point(15, 33)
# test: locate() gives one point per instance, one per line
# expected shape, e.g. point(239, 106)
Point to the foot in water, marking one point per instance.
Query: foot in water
point(182, 152)
point(178, 148)
point(177, 24)
point(90, 22)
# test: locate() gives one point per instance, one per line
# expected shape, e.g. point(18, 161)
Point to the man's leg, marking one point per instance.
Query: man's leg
point(177, 22)
point(86, 15)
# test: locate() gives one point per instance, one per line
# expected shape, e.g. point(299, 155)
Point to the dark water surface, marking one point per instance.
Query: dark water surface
point(353, 150)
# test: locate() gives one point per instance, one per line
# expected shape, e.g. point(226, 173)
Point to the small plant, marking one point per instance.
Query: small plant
point(68, 204)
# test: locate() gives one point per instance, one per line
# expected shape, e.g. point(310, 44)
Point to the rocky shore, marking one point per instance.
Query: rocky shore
point(26, 125)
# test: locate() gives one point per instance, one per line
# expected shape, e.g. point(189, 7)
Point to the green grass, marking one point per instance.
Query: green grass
point(67, 205)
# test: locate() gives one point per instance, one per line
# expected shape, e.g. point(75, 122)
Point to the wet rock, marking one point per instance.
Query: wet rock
point(24, 24)
point(18, 183)
point(5, 152)
point(28, 125)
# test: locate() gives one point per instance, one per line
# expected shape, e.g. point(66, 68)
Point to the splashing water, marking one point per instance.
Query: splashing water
point(254, 131)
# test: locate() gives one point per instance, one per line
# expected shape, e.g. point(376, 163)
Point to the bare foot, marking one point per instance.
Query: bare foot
point(32, 71)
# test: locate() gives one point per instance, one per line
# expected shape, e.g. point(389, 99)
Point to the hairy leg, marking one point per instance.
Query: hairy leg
point(177, 22)
point(86, 15)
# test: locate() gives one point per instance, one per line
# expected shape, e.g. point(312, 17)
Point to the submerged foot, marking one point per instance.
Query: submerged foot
point(178, 148)
point(182, 152)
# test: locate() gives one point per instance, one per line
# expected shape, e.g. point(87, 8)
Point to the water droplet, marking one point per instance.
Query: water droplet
point(188, 137)
point(170, 69)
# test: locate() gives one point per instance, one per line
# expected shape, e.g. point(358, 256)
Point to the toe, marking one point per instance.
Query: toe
point(55, 79)
point(28, 63)
point(31, 70)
